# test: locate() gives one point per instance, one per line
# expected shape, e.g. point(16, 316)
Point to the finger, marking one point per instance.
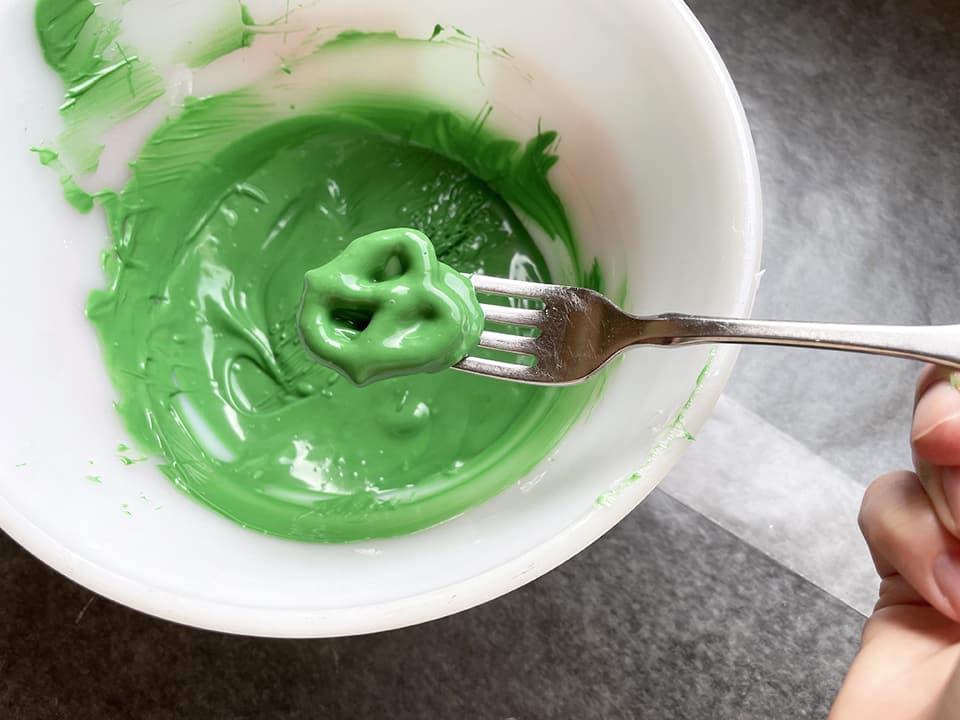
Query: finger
point(895, 591)
point(905, 536)
point(936, 417)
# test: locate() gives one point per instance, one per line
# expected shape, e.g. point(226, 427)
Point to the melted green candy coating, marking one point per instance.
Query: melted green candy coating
point(231, 201)
point(387, 307)
point(200, 326)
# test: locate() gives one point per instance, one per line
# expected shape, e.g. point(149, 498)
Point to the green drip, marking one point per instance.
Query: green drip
point(249, 27)
point(350, 37)
point(235, 32)
point(246, 17)
point(79, 198)
point(672, 433)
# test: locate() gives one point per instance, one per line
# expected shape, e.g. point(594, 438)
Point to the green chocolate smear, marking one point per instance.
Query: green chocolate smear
point(80, 199)
point(231, 203)
point(386, 307)
point(105, 83)
point(200, 323)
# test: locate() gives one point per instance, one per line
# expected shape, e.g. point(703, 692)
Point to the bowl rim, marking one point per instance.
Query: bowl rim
point(460, 596)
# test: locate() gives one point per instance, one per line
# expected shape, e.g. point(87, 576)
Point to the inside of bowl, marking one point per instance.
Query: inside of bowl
point(654, 170)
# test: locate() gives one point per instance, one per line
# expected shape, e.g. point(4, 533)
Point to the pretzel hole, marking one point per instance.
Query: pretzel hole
point(350, 322)
point(396, 265)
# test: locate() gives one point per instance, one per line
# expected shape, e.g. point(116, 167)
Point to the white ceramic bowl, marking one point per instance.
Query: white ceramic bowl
point(658, 171)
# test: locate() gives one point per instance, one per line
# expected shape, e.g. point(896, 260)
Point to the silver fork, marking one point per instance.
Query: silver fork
point(581, 331)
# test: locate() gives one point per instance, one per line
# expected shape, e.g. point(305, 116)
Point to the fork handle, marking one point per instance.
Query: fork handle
point(933, 343)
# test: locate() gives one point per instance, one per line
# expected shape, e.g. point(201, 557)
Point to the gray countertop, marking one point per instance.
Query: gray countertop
point(698, 605)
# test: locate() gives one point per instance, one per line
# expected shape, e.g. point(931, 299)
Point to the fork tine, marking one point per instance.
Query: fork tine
point(512, 315)
point(508, 343)
point(506, 286)
point(497, 368)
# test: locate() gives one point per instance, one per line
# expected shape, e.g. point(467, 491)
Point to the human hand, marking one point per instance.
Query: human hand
point(909, 660)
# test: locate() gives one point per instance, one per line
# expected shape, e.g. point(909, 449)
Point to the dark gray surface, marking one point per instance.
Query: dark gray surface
point(667, 617)
point(855, 108)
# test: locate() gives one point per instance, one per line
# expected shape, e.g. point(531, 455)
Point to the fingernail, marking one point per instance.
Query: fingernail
point(940, 404)
point(946, 573)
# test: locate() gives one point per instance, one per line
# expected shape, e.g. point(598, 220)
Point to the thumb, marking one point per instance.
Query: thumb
point(907, 539)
